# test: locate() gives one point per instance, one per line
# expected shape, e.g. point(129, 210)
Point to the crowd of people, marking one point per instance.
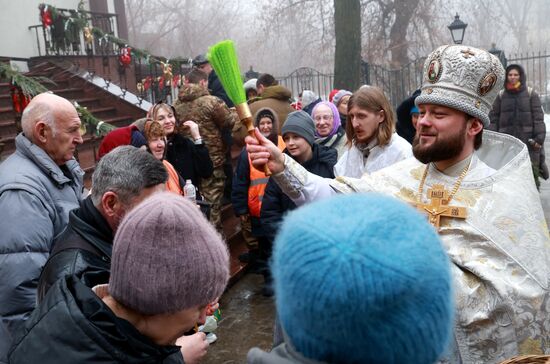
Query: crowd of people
point(434, 250)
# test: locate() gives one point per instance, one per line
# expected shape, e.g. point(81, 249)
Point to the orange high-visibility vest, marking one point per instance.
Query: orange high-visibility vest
point(258, 183)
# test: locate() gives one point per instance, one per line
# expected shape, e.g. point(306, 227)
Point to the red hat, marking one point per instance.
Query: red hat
point(332, 93)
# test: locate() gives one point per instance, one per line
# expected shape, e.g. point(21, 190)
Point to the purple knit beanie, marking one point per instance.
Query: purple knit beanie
point(336, 118)
point(167, 257)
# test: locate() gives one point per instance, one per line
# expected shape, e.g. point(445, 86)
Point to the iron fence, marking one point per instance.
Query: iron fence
point(306, 78)
point(398, 84)
point(536, 67)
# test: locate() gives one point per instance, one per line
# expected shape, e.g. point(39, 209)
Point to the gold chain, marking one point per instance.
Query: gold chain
point(455, 187)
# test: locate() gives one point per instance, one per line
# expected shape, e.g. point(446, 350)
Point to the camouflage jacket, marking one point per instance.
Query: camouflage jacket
point(210, 113)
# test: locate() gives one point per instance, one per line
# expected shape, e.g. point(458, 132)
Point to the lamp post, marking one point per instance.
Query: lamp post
point(500, 54)
point(457, 28)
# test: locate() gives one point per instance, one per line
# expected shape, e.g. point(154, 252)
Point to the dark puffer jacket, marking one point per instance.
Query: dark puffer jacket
point(190, 160)
point(73, 325)
point(276, 204)
point(84, 249)
point(519, 113)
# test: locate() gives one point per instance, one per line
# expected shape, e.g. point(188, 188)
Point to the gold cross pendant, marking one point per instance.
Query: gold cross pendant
point(438, 207)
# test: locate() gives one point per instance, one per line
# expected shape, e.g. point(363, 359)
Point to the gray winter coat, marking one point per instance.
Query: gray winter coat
point(35, 199)
point(520, 114)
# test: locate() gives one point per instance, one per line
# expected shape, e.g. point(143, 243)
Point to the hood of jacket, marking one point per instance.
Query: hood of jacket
point(90, 332)
point(273, 136)
point(522, 76)
point(191, 92)
point(277, 92)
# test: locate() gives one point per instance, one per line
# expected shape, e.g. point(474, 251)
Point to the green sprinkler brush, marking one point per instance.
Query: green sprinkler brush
point(223, 59)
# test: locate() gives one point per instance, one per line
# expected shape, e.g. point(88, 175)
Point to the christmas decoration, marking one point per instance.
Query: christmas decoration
point(19, 100)
point(101, 128)
point(30, 86)
point(125, 56)
point(140, 87)
point(46, 15)
point(167, 72)
point(147, 81)
point(88, 36)
point(160, 81)
point(73, 22)
point(176, 82)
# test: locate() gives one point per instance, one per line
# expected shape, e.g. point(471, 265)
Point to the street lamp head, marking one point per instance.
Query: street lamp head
point(457, 28)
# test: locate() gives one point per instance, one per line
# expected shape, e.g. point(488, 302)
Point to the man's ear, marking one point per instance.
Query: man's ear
point(110, 203)
point(475, 127)
point(40, 131)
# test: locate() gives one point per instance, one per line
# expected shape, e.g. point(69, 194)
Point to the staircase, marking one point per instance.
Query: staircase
point(110, 109)
point(99, 102)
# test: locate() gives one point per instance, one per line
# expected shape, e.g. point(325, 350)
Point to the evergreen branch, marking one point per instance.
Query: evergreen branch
point(31, 86)
point(100, 128)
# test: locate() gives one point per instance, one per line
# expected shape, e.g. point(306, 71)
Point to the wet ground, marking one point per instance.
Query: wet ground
point(247, 321)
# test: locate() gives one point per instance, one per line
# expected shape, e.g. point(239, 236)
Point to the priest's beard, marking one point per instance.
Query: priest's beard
point(441, 149)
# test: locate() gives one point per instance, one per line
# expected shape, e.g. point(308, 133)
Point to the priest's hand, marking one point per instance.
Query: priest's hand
point(262, 151)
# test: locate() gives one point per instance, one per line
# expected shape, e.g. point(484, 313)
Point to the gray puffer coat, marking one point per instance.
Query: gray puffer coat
point(36, 196)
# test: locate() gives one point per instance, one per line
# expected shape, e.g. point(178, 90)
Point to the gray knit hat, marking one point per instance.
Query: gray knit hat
point(339, 96)
point(463, 78)
point(299, 122)
point(167, 257)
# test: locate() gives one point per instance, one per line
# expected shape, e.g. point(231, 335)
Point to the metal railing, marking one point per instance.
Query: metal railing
point(398, 84)
point(537, 71)
point(64, 37)
point(308, 79)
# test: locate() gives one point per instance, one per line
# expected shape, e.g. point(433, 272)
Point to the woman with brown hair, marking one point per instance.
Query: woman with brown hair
point(370, 130)
point(189, 157)
point(156, 145)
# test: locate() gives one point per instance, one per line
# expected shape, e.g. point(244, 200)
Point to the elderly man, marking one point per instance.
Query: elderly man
point(122, 179)
point(39, 184)
point(168, 265)
point(474, 187)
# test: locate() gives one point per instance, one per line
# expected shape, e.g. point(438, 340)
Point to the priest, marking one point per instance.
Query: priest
point(476, 188)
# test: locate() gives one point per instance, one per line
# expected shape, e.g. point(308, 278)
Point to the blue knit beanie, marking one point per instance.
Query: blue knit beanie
point(362, 278)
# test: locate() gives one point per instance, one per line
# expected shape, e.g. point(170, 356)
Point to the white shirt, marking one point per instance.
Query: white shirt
point(354, 164)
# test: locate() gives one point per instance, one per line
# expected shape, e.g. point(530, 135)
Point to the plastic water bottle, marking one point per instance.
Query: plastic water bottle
point(189, 191)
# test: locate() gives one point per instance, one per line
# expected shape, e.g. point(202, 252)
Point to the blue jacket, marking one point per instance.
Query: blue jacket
point(276, 204)
point(36, 196)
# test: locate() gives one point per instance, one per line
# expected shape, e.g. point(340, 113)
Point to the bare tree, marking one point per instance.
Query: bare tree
point(179, 27)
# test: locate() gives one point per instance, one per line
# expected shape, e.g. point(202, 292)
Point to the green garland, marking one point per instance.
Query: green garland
point(31, 86)
point(100, 128)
